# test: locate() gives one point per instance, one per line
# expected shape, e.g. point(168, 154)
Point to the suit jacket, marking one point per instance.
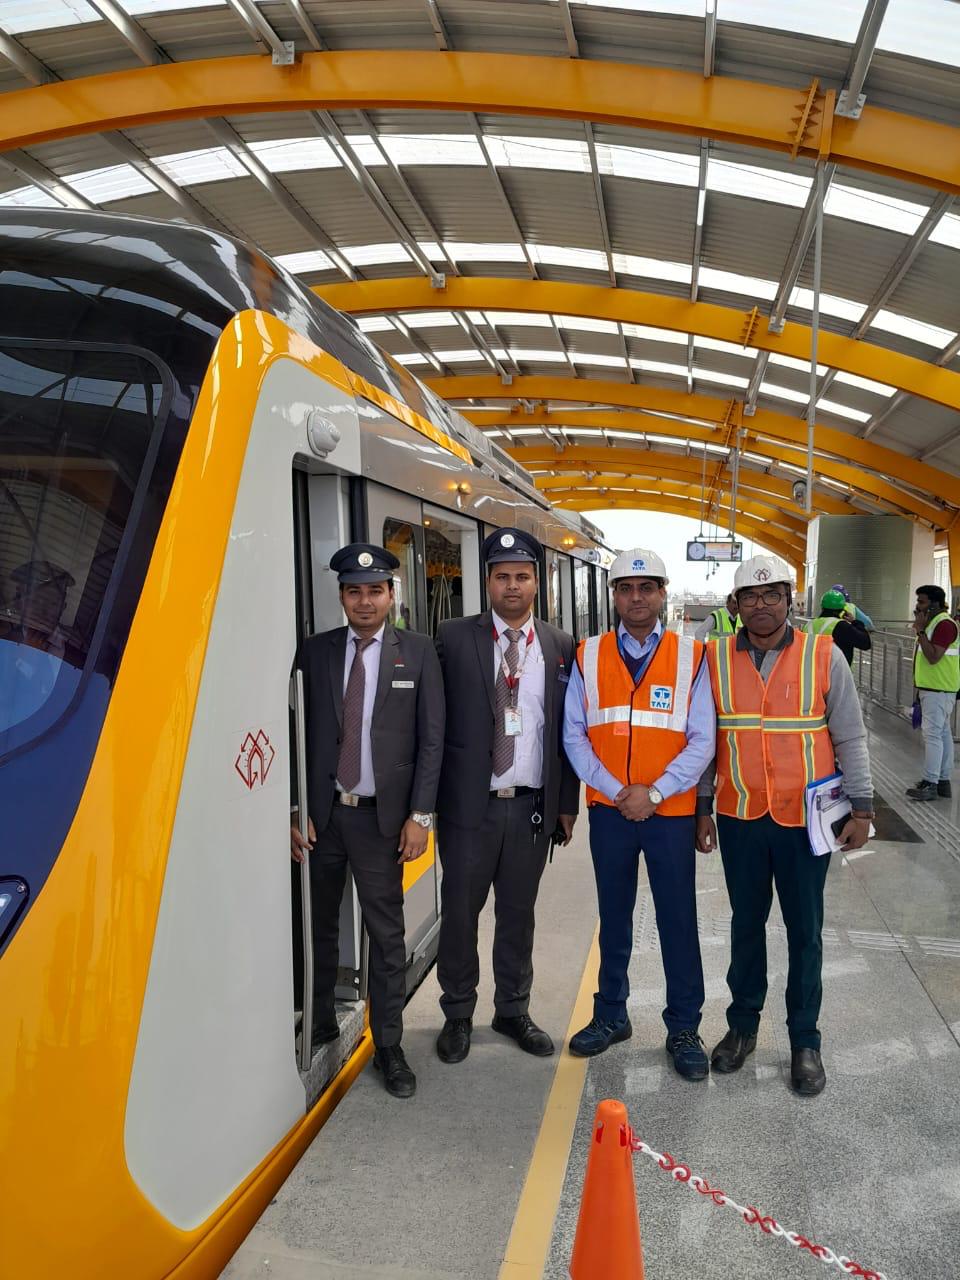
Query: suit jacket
point(406, 733)
point(466, 649)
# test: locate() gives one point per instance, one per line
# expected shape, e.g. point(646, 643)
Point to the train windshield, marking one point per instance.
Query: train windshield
point(78, 426)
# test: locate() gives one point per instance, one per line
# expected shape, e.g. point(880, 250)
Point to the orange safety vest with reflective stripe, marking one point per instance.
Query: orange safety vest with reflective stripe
point(772, 739)
point(637, 729)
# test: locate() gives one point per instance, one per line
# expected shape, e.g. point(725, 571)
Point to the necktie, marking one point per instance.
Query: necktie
point(348, 765)
point(503, 746)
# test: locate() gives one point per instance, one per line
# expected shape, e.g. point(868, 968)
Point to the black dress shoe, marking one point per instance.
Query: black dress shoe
point(730, 1054)
point(453, 1042)
point(323, 1033)
point(807, 1076)
point(526, 1033)
point(398, 1079)
point(944, 789)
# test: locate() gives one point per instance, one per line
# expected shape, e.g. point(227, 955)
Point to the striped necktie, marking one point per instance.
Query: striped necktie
point(504, 745)
point(348, 765)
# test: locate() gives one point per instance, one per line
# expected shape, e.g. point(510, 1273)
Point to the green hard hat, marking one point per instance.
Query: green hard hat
point(832, 600)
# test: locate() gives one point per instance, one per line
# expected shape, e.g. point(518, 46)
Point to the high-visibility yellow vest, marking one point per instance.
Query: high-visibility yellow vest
point(945, 674)
point(823, 626)
point(723, 624)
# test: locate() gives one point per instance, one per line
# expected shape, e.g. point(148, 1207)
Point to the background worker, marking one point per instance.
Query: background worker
point(775, 735)
point(936, 675)
point(506, 788)
point(639, 729)
point(722, 621)
point(853, 611)
point(847, 633)
point(374, 709)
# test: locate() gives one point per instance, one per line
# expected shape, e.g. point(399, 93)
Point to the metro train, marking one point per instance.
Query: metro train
point(186, 435)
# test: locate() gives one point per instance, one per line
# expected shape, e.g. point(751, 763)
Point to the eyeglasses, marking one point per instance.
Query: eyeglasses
point(750, 598)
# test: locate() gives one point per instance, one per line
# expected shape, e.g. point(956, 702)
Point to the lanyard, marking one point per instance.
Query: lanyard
point(513, 680)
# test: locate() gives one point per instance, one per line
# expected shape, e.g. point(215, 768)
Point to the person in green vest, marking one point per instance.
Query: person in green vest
point(722, 621)
point(936, 674)
point(853, 611)
point(835, 620)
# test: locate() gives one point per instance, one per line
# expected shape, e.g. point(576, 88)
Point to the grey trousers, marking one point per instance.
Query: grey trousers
point(352, 836)
point(506, 852)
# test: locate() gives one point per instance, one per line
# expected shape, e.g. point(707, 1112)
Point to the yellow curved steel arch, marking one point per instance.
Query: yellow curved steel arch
point(876, 488)
point(606, 468)
point(760, 115)
point(779, 426)
point(631, 306)
point(756, 530)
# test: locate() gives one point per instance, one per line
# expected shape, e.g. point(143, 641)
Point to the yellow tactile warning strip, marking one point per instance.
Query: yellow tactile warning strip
point(529, 1241)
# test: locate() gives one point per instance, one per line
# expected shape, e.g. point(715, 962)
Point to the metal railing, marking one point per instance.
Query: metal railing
point(885, 673)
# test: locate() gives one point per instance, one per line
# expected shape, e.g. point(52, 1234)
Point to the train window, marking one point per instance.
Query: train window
point(581, 591)
point(76, 427)
point(553, 587)
point(453, 586)
point(399, 536)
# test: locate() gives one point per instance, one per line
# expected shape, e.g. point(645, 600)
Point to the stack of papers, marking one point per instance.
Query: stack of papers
point(826, 803)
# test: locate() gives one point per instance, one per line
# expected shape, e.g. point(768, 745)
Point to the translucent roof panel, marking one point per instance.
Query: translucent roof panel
point(681, 8)
point(758, 184)
point(558, 255)
point(653, 268)
point(539, 153)
point(928, 29)
point(461, 252)
point(532, 318)
point(116, 182)
point(866, 384)
point(947, 231)
point(428, 148)
point(828, 19)
point(211, 164)
point(29, 198)
point(874, 209)
point(829, 305)
point(733, 282)
point(791, 362)
point(411, 357)
point(723, 379)
point(843, 411)
point(584, 324)
point(606, 362)
point(715, 344)
point(655, 335)
point(427, 319)
point(374, 255)
point(298, 263)
point(41, 15)
point(287, 155)
point(783, 393)
point(659, 366)
point(460, 356)
point(164, 6)
point(930, 334)
point(538, 357)
point(372, 324)
point(647, 165)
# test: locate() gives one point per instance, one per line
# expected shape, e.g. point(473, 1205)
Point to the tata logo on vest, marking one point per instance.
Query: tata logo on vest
point(661, 697)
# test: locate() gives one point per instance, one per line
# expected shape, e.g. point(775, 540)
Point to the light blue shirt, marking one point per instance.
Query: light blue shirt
point(684, 771)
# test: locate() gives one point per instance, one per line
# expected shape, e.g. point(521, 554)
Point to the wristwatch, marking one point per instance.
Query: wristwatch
point(656, 796)
point(424, 820)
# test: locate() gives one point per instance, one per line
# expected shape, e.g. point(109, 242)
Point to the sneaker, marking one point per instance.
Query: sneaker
point(944, 789)
point(923, 791)
point(688, 1054)
point(599, 1035)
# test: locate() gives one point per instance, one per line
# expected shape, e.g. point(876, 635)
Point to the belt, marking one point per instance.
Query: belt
point(356, 802)
point(508, 793)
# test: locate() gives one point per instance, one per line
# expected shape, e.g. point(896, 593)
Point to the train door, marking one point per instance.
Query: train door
point(396, 521)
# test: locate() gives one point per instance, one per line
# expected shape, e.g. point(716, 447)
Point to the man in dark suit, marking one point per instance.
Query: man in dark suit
point(506, 788)
point(374, 710)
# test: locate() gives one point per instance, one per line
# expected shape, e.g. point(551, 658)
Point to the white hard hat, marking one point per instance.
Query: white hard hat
point(759, 570)
point(638, 563)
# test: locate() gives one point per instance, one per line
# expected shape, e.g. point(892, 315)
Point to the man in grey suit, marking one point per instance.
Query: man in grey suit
point(506, 790)
point(374, 704)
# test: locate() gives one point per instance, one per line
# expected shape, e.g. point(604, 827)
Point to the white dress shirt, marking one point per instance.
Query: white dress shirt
point(527, 767)
point(371, 673)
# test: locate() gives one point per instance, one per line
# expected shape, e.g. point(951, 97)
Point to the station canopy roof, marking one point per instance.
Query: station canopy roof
point(587, 224)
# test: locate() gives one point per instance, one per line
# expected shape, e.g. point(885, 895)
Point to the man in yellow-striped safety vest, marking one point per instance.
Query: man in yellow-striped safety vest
point(936, 675)
point(787, 713)
point(722, 621)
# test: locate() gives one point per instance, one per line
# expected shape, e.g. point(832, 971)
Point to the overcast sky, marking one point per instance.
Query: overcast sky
point(668, 535)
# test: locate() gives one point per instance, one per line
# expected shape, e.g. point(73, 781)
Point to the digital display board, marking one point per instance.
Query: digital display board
point(726, 550)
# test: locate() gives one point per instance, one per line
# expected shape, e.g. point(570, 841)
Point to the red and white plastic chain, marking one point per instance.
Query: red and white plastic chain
point(751, 1215)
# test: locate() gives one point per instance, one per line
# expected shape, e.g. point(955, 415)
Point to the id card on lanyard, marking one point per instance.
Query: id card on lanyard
point(512, 715)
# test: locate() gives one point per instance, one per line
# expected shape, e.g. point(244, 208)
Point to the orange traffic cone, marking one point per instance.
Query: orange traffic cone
point(607, 1243)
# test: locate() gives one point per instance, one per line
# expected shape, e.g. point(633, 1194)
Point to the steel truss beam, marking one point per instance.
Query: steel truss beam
point(710, 409)
point(918, 377)
point(906, 147)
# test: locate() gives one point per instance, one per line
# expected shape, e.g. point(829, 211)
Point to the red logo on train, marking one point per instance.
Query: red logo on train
point(255, 758)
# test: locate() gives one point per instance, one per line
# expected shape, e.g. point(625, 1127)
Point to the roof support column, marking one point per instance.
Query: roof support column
point(819, 184)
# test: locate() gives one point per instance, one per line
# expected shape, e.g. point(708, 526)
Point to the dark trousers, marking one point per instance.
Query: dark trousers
point(668, 846)
point(757, 855)
point(353, 837)
point(508, 853)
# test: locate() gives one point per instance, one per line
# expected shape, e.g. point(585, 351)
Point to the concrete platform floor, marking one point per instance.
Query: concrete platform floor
point(428, 1189)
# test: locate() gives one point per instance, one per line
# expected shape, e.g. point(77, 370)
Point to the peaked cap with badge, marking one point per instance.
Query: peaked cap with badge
point(361, 562)
point(511, 545)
